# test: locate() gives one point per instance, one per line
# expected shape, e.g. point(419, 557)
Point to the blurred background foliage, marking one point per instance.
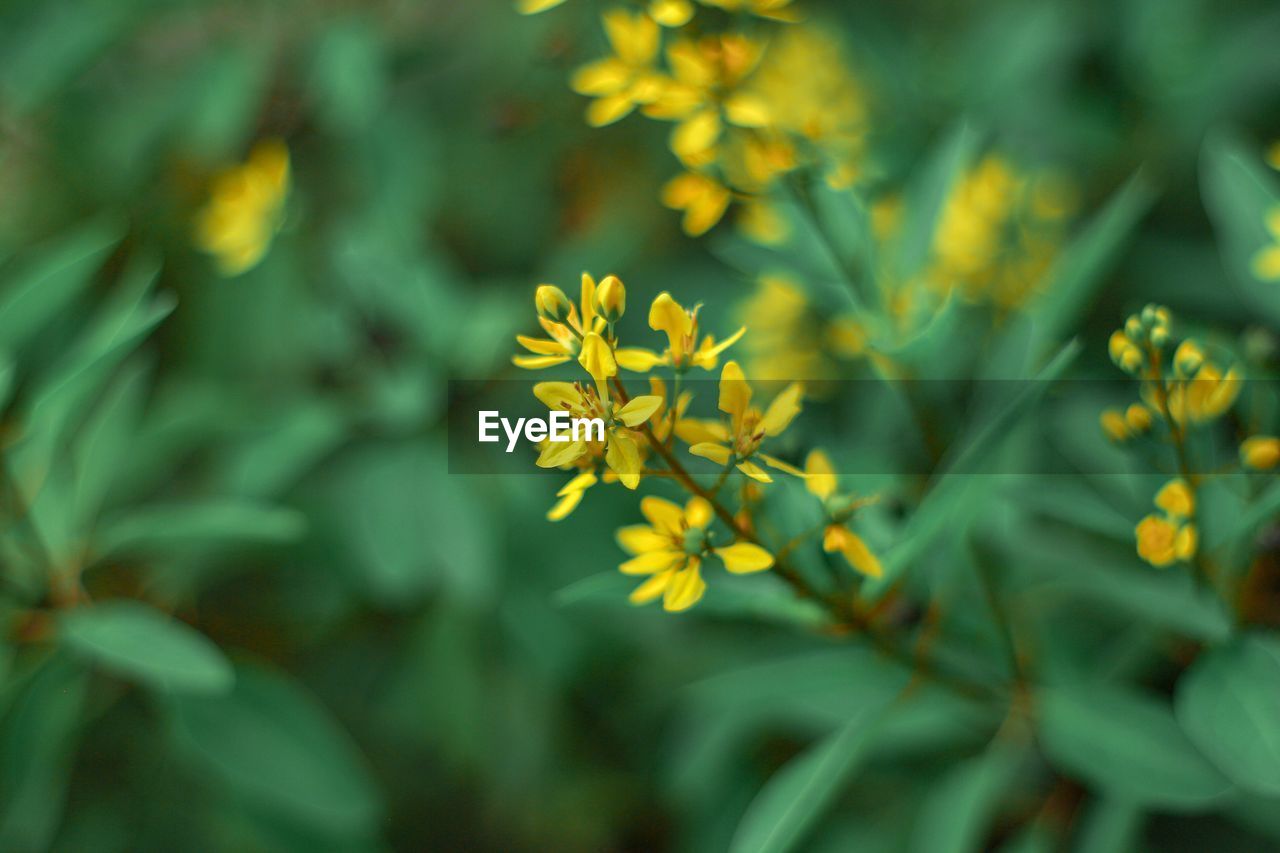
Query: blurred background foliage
point(247, 605)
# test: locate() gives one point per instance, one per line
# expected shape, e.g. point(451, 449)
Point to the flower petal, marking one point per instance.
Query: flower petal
point(537, 362)
point(717, 453)
point(652, 562)
point(783, 409)
point(637, 359)
point(774, 462)
point(698, 512)
point(580, 483)
point(567, 504)
point(623, 457)
point(685, 589)
point(652, 588)
point(743, 557)
point(639, 538)
point(754, 471)
point(735, 393)
point(664, 515)
point(820, 478)
point(639, 410)
point(557, 453)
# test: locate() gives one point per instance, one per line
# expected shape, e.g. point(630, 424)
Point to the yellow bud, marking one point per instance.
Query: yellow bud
point(1138, 418)
point(552, 303)
point(1260, 452)
point(1118, 343)
point(596, 357)
point(1133, 328)
point(1187, 358)
point(1177, 499)
point(1113, 424)
point(1131, 360)
point(611, 298)
point(1157, 540)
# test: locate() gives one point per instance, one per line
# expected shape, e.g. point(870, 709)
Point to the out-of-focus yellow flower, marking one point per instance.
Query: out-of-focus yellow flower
point(821, 481)
point(1207, 395)
point(1273, 155)
point(1162, 541)
point(761, 222)
point(702, 93)
point(571, 495)
point(1266, 263)
point(1176, 499)
point(533, 7)
point(564, 324)
point(621, 447)
point(778, 10)
point(1260, 452)
point(791, 338)
point(627, 79)
point(703, 200)
point(243, 213)
point(670, 550)
point(997, 235)
point(1113, 424)
point(683, 350)
point(748, 426)
point(671, 13)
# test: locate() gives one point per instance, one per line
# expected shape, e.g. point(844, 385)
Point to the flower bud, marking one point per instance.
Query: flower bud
point(1260, 452)
point(1137, 418)
point(1150, 316)
point(596, 357)
point(1117, 345)
point(1113, 424)
point(1159, 336)
point(611, 298)
point(1133, 328)
point(551, 303)
point(1187, 359)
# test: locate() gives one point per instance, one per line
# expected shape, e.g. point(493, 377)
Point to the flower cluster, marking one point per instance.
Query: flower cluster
point(748, 104)
point(1179, 392)
point(243, 213)
point(643, 435)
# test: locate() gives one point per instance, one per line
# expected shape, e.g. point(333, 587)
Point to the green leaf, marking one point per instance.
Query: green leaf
point(1082, 265)
point(928, 194)
point(1127, 745)
point(1228, 703)
point(275, 746)
point(37, 741)
point(47, 283)
point(199, 523)
point(1110, 826)
point(791, 801)
point(1238, 192)
point(138, 641)
point(960, 808)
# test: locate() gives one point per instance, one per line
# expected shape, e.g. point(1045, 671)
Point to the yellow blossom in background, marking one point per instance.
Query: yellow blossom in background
point(670, 549)
point(683, 349)
point(791, 339)
point(821, 481)
point(748, 426)
point(778, 10)
point(243, 213)
point(532, 7)
point(1162, 541)
point(571, 495)
point(1176, 499)
point(1266, 263)
point(999, 232)
point(702, 199)
point(1273, 155)
point(671, 13)
point(627, 79)
point(1260, 452)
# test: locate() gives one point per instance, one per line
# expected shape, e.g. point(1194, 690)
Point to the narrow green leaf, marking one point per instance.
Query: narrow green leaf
point(199, 523)
point(960, 808)
point(138, 641)
point(1229, 705)
point(274, 745)
point(1126, 745)
point(791, 802)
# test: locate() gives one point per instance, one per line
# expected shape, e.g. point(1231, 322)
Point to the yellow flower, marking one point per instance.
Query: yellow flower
point(1138, 418)
point(1114, 425)
point(821, 481)
point(571, 495)
point(243, 213)
point(776, 9)
point(748, 427)
point(611, 299)
point(564, 325)
point(670, 550)
point(533, 7)
point(1266, 263)
point(703, 200)
point(701, 93)
point(1261, 452)
point(1205, 396)
point(621, 447)
point(1176, 499)
point(671, 13)
point(1161, 540)
point(626, 79)
point(683, 351)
